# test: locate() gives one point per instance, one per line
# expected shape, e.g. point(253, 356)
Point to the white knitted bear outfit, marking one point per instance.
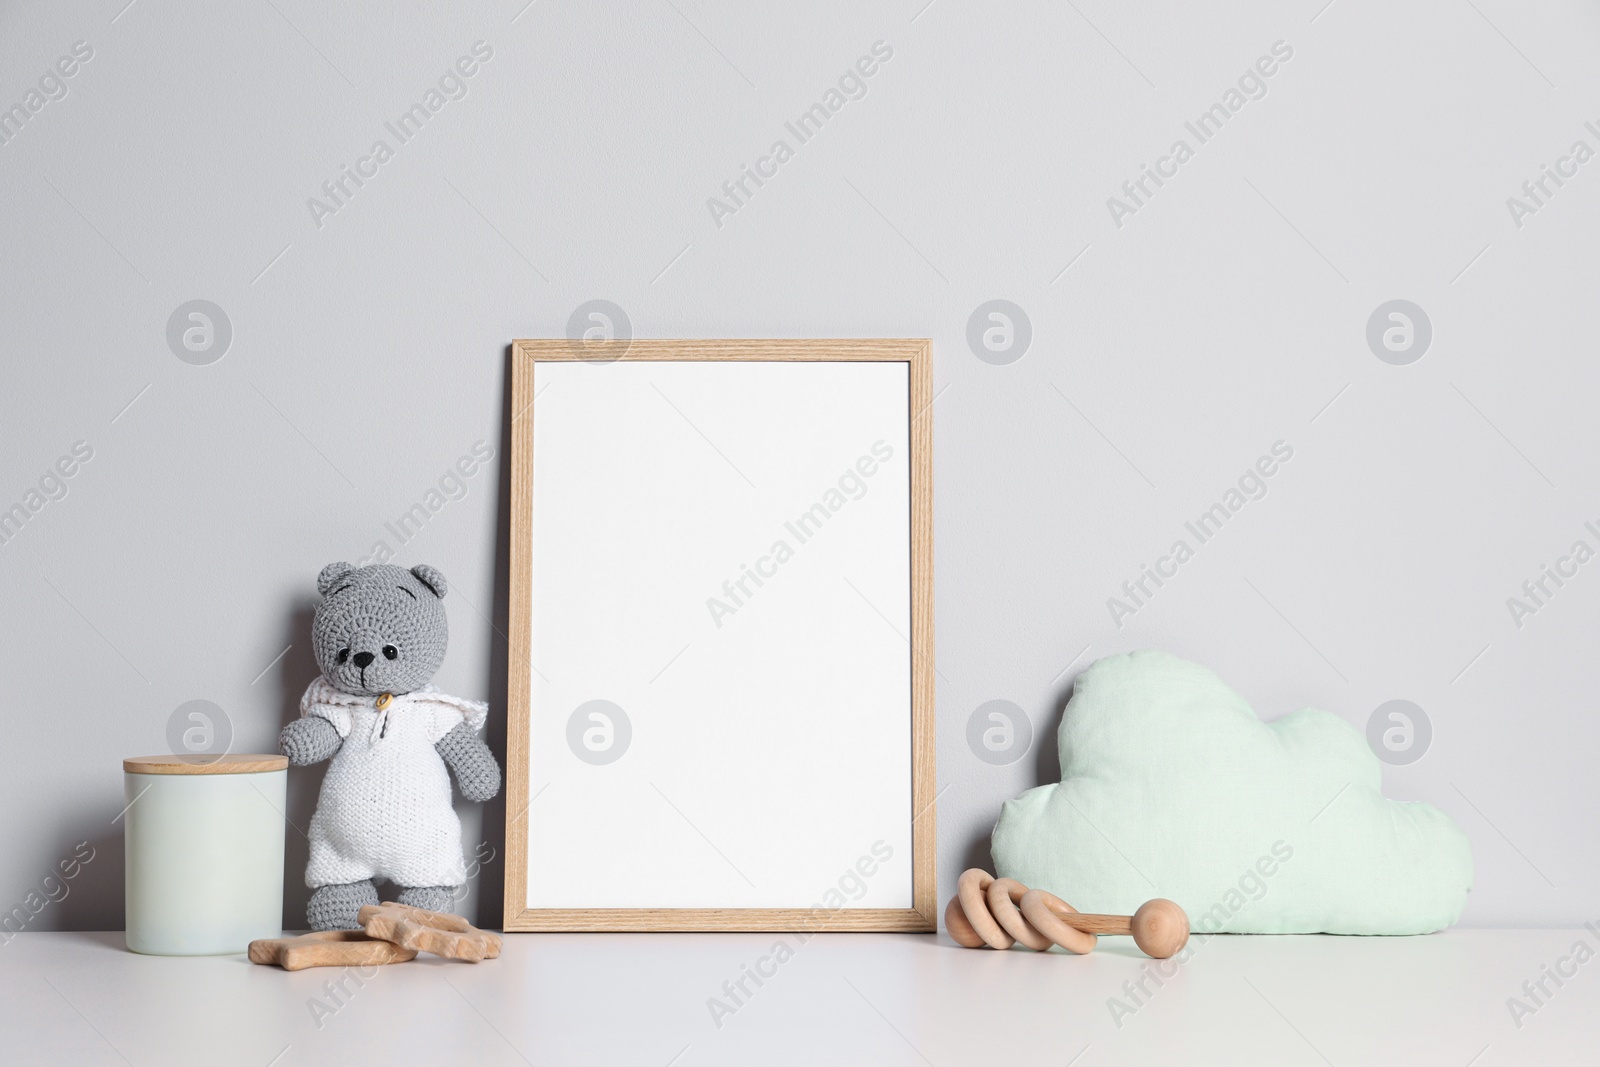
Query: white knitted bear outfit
point(385, 808)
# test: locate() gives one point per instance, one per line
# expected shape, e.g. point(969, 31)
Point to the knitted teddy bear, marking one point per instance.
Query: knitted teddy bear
point(384, 812)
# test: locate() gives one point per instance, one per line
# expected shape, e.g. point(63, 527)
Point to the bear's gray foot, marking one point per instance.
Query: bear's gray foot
point(334, 907)
point(428, 897)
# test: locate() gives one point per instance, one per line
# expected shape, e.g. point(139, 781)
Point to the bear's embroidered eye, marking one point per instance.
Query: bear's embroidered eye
point(344, 654)
point(390, 652)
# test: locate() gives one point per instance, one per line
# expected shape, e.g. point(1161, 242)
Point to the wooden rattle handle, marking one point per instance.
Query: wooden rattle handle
point(1160, 928)
point(1100, 924)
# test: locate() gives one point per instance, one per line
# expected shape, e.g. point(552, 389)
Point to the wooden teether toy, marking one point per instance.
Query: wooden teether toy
point(328, 948)
point(429, 931)
point(984, 912)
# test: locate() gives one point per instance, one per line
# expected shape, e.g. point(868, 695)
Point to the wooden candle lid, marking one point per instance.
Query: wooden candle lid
point(232, 763)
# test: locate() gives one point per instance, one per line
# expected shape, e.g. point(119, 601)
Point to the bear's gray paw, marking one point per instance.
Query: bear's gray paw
point(477, 773)
point(334, 907)
point(308, 741)
point(428, 897)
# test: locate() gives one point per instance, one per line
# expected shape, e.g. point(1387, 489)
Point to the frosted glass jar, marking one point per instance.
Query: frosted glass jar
point(204, 852)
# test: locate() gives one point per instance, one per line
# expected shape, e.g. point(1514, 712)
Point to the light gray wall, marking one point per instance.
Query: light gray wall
point(1229, 312)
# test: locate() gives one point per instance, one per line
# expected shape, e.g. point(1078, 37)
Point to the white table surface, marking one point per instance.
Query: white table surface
point(81, 999)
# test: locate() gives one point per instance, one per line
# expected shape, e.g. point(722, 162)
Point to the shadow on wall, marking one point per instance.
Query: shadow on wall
point(1046, 760)
point(491, 876)
point(295, 672)
point(82, 892)
point(1046, 771)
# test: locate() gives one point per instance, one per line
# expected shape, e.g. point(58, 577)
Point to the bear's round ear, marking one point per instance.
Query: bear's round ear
point(432, 578)
point(331, 575)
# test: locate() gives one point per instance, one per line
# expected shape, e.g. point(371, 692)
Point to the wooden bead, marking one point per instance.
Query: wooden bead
point(956, 925)
point(1160, 928)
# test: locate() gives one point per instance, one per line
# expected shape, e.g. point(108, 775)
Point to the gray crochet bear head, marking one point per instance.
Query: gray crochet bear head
point(379, 628)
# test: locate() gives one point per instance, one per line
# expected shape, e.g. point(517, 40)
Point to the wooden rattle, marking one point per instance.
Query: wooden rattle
point(328, 948)
point(429, 931)
point(984, 912)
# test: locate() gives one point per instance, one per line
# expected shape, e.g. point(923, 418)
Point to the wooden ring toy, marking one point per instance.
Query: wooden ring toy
point(1002, 898)
point(971, 911)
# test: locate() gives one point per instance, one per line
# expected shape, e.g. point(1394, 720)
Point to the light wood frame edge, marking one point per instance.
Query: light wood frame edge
point(922, 915)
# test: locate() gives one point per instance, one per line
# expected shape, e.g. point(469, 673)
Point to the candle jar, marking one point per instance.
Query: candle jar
point(204, 847)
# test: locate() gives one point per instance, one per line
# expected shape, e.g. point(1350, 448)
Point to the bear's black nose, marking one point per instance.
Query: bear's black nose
point(362, 658)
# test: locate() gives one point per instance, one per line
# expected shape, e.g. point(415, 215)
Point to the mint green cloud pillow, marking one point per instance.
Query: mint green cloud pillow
point(1171, 787)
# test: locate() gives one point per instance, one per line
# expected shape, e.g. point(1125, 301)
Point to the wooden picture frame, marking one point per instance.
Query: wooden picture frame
point(919, 912)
